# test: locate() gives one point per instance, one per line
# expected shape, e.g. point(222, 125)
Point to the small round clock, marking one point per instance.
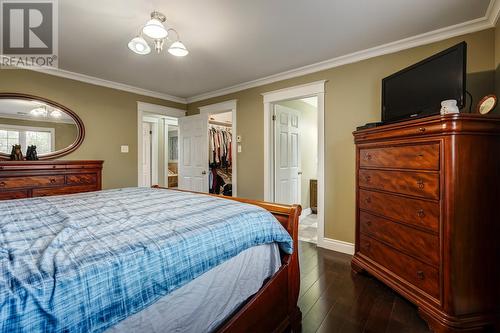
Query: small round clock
point(486, 104)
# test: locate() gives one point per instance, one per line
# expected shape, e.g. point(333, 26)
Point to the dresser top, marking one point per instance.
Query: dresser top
point(49, 164)
point(463, 123)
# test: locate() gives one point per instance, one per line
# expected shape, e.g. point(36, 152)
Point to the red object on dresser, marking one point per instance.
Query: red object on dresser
point(27, 179)
point(428, 216)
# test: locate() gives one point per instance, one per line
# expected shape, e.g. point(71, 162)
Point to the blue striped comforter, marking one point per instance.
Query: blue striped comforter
point(82, 263)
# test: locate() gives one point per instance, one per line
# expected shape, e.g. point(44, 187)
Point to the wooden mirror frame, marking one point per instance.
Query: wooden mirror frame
point(79, 123)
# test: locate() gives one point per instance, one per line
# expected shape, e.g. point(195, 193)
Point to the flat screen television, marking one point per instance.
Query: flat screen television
point(417, 91)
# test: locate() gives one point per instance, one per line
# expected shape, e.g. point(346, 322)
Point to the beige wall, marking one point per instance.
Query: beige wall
point(109, 115)
point(352, 98)
point(65, 134)
point(308, 146)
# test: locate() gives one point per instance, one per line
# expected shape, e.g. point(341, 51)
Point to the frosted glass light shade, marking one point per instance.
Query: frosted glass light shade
point(155, 29)
point(178, 49)
point(139, 46)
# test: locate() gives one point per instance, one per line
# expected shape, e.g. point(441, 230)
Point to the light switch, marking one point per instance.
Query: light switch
point(124, 149)
point(239, 148)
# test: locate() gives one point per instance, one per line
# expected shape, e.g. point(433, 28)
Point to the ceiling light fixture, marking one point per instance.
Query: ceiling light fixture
point(156, 30)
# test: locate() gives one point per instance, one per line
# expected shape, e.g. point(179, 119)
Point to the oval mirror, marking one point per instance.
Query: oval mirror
point(34, 121)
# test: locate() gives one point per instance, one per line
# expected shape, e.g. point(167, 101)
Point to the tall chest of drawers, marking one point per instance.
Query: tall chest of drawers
point(428, 216)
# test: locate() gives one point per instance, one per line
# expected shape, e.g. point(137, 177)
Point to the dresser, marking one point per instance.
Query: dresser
point(428, 216)
point(27, 179)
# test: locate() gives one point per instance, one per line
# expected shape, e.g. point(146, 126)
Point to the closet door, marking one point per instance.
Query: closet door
point(287, 155)
point(193, 153)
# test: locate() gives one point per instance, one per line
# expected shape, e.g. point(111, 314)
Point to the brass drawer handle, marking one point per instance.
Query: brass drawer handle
point(368, 178)
point(420, 275)
point(420, 184)
point(369, 223)
point(52, 180)
point(421, 129)
point(368, 157)
point(368, 200)
point(421, 213)
point(2, 184)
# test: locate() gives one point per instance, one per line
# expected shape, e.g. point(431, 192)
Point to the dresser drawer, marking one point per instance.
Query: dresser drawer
point(415, 212)
point(10, 195)
point(422, 184)
point(423, 276)
point(81, 179)
point(34, 181)
point(45, 192)
point(422, 157)
point(417, 243)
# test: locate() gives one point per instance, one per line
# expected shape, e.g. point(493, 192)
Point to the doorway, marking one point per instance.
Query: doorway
point(206, 165)
point(158, 148)
point(294, 154)
point(295, 128)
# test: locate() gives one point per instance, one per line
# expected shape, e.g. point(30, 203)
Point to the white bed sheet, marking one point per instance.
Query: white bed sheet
point(204, 303)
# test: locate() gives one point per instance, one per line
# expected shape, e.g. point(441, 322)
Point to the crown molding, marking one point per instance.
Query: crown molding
point(482, 23)
point(108, 84)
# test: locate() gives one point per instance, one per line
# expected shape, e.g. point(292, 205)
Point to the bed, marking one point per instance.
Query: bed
point(150, 260)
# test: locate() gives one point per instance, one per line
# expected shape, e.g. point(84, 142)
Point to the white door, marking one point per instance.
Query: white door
point(287, 155)
point(146, 154)
point(193, 153)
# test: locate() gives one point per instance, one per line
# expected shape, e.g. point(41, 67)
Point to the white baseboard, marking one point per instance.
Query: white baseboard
point(337, 246)
point(306, 212)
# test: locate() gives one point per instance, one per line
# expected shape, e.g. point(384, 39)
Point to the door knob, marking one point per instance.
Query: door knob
point(203, 172)
point(299, 173)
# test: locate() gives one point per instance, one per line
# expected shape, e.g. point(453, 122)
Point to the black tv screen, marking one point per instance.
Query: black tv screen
point(418, 90)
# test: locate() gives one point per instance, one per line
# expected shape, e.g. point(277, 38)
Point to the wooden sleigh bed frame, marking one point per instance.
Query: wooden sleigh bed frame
point(274, 307)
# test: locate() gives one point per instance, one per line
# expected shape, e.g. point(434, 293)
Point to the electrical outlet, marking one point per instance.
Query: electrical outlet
point(238, 138)
point(124, 149)
point(239, 148)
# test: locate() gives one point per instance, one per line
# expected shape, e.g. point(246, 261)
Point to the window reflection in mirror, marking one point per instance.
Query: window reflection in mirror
point(31, 122)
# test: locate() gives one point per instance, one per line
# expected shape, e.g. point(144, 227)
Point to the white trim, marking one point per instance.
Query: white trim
point(160, 109)
point(302, 90)
point(108, 84)
point(338, 246)
point(223, 107)
point(219, 107)
point(156, 109)
point(493, 12)
point(306, 90)
point(487, 21)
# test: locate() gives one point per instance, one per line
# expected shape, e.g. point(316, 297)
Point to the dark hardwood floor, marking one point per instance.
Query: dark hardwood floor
point(334, 300)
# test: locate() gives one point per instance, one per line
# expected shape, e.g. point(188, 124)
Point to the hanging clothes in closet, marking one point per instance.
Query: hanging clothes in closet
point(220, 159)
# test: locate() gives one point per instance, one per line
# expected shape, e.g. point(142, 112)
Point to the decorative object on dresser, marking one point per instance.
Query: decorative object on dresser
point(487, 104)
point(16, 154)
point(29, 120)
point(27, 179)
point(427, 222)
point(31, 154)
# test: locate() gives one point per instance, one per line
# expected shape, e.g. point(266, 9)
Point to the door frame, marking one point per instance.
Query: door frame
point(223, 107)
point(311, 89)
point(143, 107)
point(154, 148)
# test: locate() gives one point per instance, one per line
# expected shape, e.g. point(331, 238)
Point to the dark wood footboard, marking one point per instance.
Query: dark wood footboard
point(274, 307)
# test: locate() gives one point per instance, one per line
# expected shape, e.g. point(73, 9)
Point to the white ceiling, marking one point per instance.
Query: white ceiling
point(235, 41)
